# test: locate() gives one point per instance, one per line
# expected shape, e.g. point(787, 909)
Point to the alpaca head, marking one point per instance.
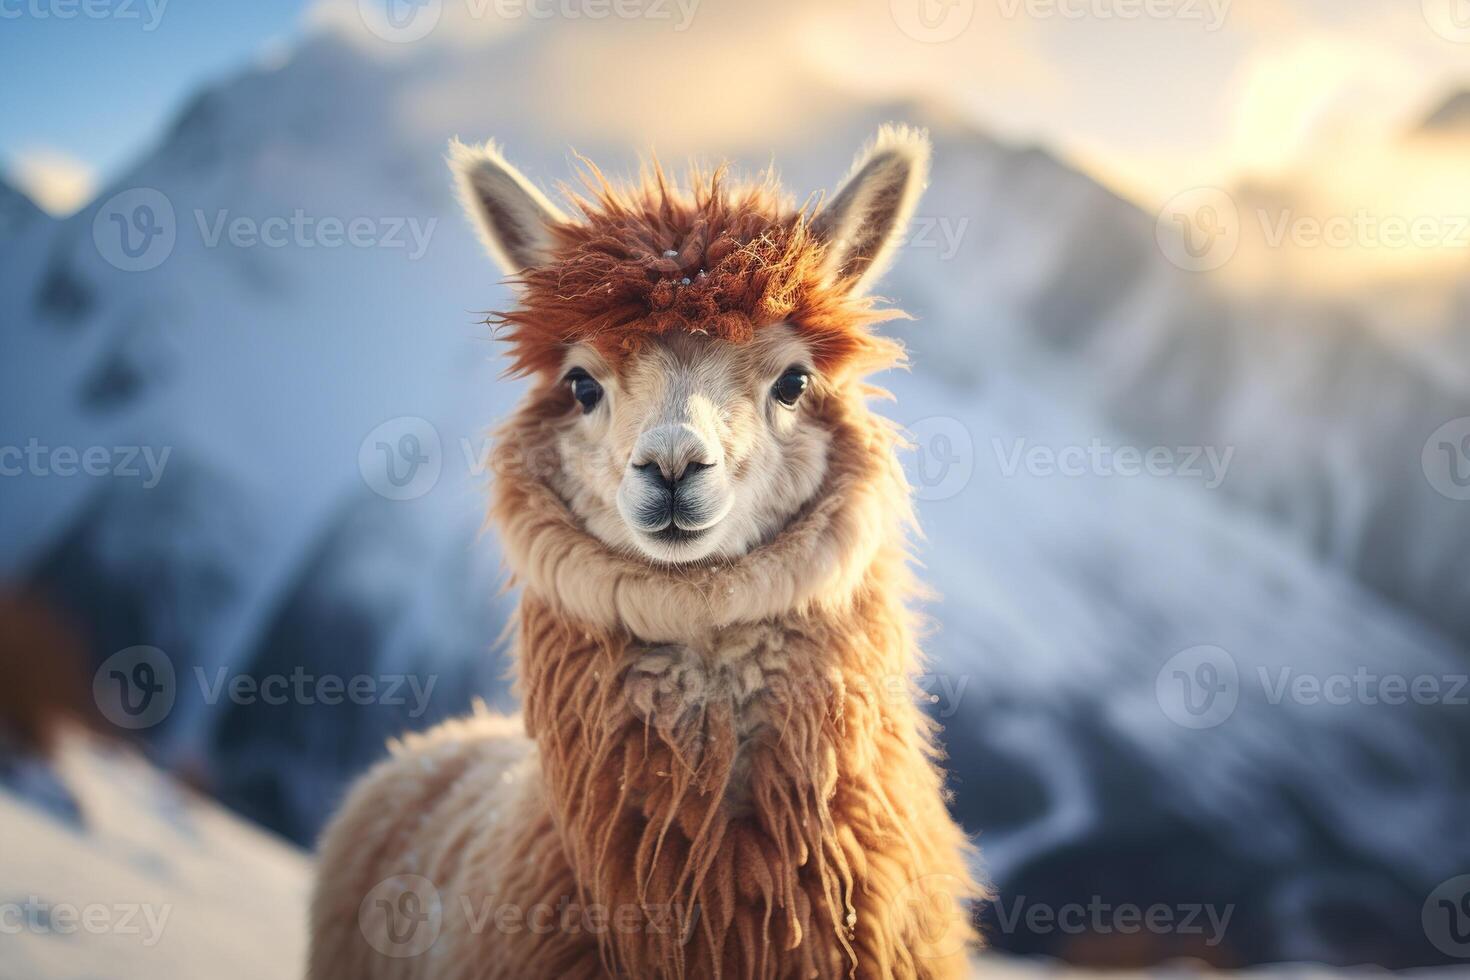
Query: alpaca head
point(692, 349)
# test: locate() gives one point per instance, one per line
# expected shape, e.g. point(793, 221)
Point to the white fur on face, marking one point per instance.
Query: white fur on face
point(699, 410)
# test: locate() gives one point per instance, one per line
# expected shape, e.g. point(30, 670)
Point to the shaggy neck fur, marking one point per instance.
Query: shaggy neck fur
point(736, 747)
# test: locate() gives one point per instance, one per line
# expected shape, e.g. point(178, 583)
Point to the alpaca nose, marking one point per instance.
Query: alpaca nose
point(670, 454)
point(669, 478)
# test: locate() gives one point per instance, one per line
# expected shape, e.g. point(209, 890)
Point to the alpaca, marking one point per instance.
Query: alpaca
point(720, 770)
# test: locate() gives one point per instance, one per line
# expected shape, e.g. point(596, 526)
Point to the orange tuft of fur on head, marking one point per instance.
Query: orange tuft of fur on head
point(651, 258)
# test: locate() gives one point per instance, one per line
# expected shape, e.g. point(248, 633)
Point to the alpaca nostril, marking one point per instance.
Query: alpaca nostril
point(691, 468)
point(655, 470)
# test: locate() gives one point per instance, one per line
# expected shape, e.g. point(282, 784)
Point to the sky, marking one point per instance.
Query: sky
point(1152, 96)
point(83, 95)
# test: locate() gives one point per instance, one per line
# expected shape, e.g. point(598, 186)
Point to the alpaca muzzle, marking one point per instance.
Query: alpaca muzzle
point(675, 490)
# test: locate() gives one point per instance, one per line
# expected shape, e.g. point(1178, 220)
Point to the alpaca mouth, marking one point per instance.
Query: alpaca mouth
point(674, 534)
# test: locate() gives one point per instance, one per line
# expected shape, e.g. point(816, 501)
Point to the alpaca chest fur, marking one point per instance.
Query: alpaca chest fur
point(721, 768)
point(773, 782)
point(729, 677)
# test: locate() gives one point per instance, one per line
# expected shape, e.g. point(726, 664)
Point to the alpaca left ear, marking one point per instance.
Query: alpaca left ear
point(867, 217)
point(513, 217)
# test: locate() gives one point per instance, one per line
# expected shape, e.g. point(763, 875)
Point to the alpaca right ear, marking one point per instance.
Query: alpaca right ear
point(513, 217)
point(869, 214)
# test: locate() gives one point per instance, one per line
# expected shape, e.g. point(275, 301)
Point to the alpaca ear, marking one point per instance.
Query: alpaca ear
point(513, 217)
point(867, 217)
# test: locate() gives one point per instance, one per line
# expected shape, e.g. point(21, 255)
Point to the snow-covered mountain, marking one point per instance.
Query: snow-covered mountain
point(1326, 406)
point(16, 210)
point(265, 392)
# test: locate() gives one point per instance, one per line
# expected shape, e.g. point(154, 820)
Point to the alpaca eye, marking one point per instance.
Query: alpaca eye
point(791, 386)
point(585, 389)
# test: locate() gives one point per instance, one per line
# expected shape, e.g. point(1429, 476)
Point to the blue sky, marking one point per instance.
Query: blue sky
point(98, 89)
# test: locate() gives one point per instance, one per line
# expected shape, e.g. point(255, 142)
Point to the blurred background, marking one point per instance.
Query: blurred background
point(1190, 406)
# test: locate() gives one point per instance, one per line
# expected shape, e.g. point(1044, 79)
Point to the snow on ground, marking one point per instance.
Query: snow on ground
point(154, 882)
